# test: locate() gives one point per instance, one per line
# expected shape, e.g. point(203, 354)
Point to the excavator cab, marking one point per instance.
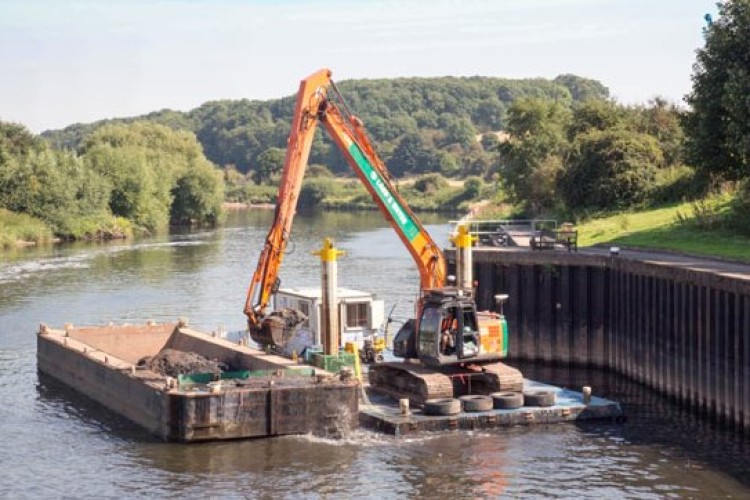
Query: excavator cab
point(447, 330)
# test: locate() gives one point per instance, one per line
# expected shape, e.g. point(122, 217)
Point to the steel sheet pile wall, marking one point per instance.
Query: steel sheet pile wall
point(683, 332)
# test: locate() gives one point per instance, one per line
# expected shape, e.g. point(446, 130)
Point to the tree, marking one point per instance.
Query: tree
point(144, 162)
point(583, 89)
point(198, 196)
point(267, 164)
point(594, 115)
point(718, 125)
point(608, 169)
point(414, 155)
point(534, 151)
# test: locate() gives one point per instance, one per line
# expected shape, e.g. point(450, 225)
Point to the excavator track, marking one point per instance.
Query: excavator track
point(407, 380)
point(419, 383)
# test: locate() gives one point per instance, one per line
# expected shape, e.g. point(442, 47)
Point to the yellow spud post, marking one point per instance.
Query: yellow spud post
point(329, 282)
point(464, 266)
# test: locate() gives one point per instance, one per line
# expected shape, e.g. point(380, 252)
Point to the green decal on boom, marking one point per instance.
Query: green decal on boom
point(398, 213)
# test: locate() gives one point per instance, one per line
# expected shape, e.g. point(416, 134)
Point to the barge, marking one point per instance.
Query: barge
point(260, 395)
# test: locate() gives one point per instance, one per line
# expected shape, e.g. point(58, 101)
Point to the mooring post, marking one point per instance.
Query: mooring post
point(329, 278)
point(464, 266)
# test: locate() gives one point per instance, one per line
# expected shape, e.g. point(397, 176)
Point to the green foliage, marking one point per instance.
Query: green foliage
point(595, 115)
point(583, 89)
point(316, 170)
point(430, 184)
point(268, 163)
point(257, 195)
point(739, 216)
point(141, 172)
point(662, 120)
point(198, 196)
point(17, 141)
point(234, 184)
point(531, 157)
point(613, 168)
point(18, 229)
point(414, 155)
point(53, 186)
point(314, 192)
point(718, 126)
point(674, 184)
point(157, 174)
point(447, 113)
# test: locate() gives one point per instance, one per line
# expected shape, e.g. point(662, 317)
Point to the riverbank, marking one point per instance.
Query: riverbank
point(681, 228)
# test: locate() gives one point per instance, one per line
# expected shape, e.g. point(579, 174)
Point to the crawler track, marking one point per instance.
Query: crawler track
point(420, 383)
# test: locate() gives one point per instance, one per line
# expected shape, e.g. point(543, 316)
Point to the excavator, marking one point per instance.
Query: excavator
point(449, 349)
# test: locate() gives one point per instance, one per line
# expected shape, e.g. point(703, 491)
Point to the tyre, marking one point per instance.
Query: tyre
point(539, 398)
point(507, 400)
point(476, 403)
point(442, 406)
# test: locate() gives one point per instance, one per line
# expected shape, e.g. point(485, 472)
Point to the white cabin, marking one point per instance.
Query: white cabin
point(360, 315)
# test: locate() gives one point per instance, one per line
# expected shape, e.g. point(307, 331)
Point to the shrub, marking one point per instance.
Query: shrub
point(430, 184)
point(610, 169)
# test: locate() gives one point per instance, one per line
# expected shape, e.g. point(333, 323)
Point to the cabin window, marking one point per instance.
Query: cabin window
point(304, 308)
point(356, 315)
point(429, 328)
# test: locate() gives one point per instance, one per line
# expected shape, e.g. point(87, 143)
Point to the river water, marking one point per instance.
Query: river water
point(55, 443)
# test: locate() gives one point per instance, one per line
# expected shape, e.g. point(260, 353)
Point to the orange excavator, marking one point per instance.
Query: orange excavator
point(449, 348)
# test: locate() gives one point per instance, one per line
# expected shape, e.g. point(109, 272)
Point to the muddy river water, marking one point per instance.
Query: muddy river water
point(55, 443)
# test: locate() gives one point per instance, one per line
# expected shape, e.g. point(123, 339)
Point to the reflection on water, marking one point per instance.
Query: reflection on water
point(58, 443)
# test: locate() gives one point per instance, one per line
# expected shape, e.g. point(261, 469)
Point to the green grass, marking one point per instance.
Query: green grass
point(18, 229)
point(675, 227)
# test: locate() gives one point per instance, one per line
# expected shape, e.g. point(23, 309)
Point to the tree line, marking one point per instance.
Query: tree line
point(420, 125)
point(140, 176)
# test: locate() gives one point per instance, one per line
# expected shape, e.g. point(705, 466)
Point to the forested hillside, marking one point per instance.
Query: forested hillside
point(419, 124)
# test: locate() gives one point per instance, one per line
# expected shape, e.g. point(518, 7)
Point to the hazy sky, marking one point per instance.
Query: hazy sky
point(63, 62)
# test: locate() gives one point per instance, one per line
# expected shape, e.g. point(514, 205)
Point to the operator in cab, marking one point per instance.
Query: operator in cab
point(449, 328)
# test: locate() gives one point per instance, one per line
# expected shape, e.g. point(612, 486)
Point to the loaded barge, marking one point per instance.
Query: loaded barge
point(259, 395)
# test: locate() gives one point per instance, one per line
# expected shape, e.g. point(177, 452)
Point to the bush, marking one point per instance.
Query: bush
point(739, 216)
point(314, 192)
point(19, 228)
point(675, 184)
point(610, 169)
point(430, 184)
point(316, 170)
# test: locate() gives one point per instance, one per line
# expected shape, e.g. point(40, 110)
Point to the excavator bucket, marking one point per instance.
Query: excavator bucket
point(277, 328)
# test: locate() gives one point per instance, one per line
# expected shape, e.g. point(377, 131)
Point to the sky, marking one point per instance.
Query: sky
point(70, 61)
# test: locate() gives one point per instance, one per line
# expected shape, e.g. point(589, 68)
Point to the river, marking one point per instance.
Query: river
point(56, 443)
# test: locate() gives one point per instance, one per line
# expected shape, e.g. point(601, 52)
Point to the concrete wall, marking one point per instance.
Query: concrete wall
point(684, 332)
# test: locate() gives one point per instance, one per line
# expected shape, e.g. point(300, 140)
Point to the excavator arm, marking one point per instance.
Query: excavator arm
point(352, 140)
point(311, 94)
point(314, 105)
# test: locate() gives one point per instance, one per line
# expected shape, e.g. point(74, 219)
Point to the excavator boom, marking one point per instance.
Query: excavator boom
point(314, 105)
point(312, 92)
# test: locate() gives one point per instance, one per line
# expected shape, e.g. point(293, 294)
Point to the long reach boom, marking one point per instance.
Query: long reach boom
point(314, 105)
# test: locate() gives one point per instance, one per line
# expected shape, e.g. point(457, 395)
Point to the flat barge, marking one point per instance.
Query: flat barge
point(265, 395)
point(383, 413)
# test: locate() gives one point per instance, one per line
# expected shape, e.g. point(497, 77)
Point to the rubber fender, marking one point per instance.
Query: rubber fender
point(507, 400)
point(476, 403)
point(539, 398)
point(442, 406)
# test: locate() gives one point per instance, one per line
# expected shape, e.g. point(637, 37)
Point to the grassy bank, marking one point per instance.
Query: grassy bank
point(21, 229)
point(17, 230)
point(687, 227)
